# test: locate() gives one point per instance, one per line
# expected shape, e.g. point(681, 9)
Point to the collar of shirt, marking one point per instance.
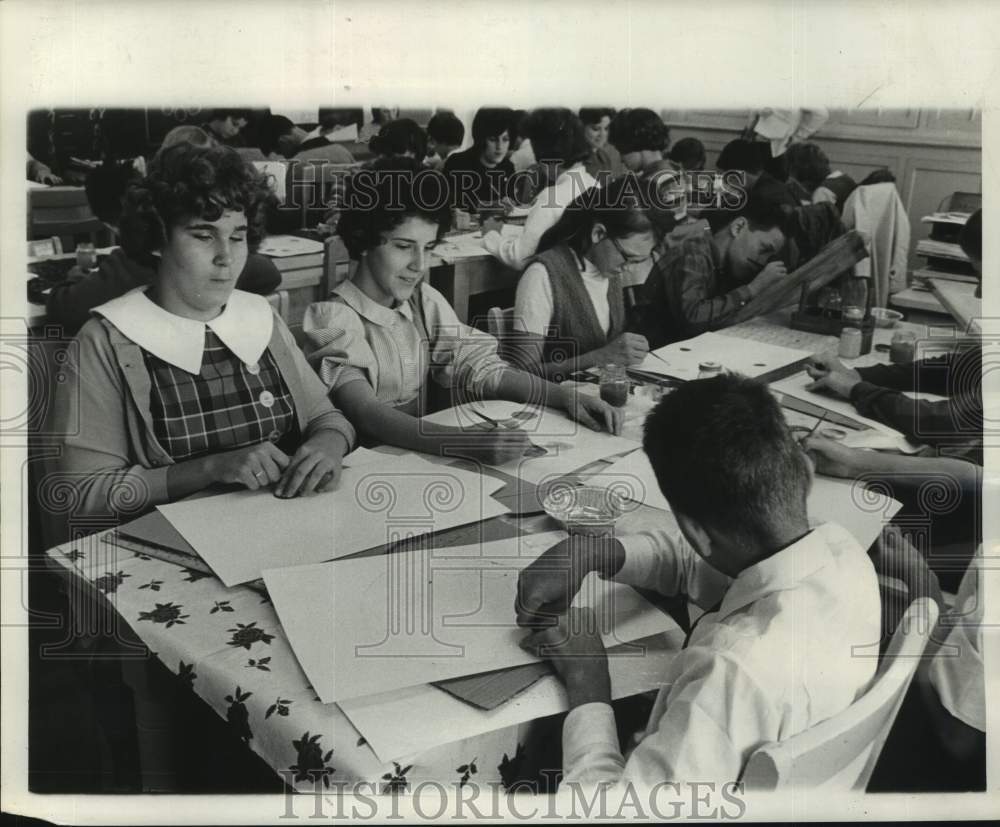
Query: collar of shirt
point(781, 571)
point(369, 309)
point(244, 326)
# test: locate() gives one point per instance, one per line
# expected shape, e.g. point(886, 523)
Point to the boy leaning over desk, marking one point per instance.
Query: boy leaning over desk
point(784, 604)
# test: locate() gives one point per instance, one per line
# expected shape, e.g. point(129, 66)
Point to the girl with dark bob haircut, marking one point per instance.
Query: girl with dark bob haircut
point(570, 307)
point(385, 331)
point(188, 382)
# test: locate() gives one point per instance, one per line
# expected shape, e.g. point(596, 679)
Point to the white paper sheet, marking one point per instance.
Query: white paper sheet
point(680, 360)
point(376, 624)
point(861, 512)
point(412, 720)
point(282, 246)
point(569, 444)
point(795, 386)
point(375, 503)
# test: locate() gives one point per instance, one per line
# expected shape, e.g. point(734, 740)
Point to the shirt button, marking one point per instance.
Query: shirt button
point(274, 436)
point(253, 369)
point(266, 399)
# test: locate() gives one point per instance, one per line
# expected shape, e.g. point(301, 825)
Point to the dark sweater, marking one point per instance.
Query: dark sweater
point(69, 304)
point(473, 183)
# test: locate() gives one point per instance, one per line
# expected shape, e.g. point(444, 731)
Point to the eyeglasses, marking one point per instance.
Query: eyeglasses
point(629, 261)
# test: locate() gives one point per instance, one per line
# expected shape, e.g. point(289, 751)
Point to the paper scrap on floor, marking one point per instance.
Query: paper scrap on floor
point(374, 624)
point(568, 444)
point(681, 359)
point(375, 503)
point(410, 721)
point(861, 512)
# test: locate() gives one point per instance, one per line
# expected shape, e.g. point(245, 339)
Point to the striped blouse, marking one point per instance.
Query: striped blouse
point(351, 337)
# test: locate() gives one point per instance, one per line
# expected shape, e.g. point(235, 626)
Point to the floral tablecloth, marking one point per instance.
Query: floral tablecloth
point(229, 647)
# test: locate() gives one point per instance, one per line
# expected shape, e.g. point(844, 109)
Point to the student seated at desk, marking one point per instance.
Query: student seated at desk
point(955, 426)
point(445, 134)
point(385, 332)
point(279, 138)
point(226, 126)
point(561, 150)
point(191, 382)
point(702, 283)
point(569, 313)
point(688, 154)
point(69, 304)
point(605, 161)
point(320, 147)
point(784, 604)
point(642, 138)
point(812, 181)
point(402, 138)
point(482, 173)
point(747, 158)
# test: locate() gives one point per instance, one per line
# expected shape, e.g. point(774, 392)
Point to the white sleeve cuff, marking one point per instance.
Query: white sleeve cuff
point(589, 731)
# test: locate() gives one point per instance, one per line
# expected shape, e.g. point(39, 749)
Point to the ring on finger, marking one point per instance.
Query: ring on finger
point(259, 475)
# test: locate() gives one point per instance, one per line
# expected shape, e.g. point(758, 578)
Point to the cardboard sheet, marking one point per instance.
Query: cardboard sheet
point(861, 512)
point(795, 385)
point(490, 689)
point(568, 444)
point(374, 624)
point(375, 503)
point(681, 359)
point(409, 721)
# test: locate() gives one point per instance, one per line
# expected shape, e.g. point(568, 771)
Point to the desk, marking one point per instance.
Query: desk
point(468, 277)
point(959, 299)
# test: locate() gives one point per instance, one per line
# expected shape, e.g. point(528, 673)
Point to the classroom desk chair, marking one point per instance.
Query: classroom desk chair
point(840, 753)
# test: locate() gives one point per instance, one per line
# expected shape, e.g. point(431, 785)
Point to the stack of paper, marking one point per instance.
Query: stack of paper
point(374, 504)
point(681, 359)
point(369, 625)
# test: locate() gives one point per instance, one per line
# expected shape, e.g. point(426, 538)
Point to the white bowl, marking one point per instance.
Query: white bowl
point(584, 509)
point(885, 318)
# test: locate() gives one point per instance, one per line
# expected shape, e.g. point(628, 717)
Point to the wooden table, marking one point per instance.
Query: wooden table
point(959, 299)
point(460, 281)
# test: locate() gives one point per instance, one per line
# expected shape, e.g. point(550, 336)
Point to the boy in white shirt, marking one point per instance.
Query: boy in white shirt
point(786, 605)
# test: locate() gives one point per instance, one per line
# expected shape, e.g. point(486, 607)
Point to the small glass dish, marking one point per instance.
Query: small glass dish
point(886, 318)
point(585, 509)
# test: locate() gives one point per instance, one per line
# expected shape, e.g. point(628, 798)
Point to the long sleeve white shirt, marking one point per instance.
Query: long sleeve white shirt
point(546, 210)
point(791, 644)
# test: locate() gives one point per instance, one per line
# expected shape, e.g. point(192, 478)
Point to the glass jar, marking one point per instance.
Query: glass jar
point(86, 256)
point(902, 349)
point(706, 370)
point(614, 385)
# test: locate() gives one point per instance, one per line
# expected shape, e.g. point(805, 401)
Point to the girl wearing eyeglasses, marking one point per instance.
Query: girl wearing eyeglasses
point(569, 312)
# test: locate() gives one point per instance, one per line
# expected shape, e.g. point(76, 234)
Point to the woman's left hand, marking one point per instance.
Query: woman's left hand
point(593, 412)
point(315, 466)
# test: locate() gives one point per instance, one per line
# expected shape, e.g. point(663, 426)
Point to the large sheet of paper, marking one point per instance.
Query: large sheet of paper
point(282, 246)
point(568, 445)
point(374, 624)
point(240, 534)
point(861, 512)
point(410, 721)
point(681, 359)
point(795, 385)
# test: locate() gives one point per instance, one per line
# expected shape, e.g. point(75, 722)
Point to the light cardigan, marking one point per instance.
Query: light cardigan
point(546, 210)
point(111, 465)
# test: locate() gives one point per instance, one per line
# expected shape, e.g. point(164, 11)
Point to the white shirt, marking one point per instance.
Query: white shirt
point(775, 659)
point(956, 671)
point(534, 305)
point(546, 210)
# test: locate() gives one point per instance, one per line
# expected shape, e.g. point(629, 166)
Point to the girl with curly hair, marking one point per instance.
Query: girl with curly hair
point(385, 332)
point(189, 382)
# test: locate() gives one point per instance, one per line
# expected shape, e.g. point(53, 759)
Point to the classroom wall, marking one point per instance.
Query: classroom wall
point(932, 152)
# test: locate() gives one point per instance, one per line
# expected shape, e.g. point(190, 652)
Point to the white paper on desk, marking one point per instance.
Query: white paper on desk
point(282, 246)
point(795, 386)
point(374, 504)
point(412, 720)
point(861, 512)
point(569, 444)
point(681, 359)
point(375, 624)
point(276, 174)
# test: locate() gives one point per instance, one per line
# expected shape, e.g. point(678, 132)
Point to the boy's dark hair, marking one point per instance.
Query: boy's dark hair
point(556, 134)
point(971, 237)
point(384, 194)
point(594, 114)
point(332, 117)
point(723, 455)
point(764, 209)
point(105, 189)
point(491, 123)
point(637, 130)
point(187, 181)
point(808, 164)
point(271, 129)
point(742, 155)
point(399, 137)
point(689, 153)
point(445, 128)
point(627, 205)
